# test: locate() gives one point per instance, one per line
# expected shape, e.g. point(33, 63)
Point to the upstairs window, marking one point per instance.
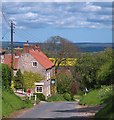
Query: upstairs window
point(34, 64)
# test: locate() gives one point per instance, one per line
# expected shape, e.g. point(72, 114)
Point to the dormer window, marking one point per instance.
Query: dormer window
point(34, 64)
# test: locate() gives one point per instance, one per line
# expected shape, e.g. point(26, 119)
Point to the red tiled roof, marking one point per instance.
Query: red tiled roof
point(41, 58)
point(7, 60)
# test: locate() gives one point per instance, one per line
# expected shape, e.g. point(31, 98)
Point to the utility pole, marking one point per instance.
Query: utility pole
point(12, 61)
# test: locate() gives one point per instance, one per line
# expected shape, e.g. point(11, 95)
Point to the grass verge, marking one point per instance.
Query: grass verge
point(11, 103)
point(107, 112)
point(97, 96)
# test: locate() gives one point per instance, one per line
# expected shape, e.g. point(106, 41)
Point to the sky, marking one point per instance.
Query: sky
point(75, 21)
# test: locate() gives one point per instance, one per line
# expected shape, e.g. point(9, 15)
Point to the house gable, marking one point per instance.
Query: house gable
point(26, 64)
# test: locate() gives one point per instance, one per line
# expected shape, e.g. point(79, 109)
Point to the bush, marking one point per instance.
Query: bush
point(107, 111)
point(67, 97)
point(76, 97)
point(80, 92)
point(6, 76)
point(33, 99)
point(40, 96)
point(63, 83)
point(56, 97)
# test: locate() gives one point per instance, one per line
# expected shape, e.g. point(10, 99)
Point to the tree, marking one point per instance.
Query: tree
point(60, 49)
point(74, 87)
point(19, 80)
point(92, 69)
point(6, 76)
point(30, 78)
point(85, 70)
point(63, 83)
point(105, 74)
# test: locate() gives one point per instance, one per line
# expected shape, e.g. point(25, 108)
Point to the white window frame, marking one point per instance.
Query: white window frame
point(33, 63)
point(40, 86)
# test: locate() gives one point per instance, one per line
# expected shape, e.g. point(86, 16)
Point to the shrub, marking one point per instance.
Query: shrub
point(29, 78)
point(107, 111)
point(74, 88)
point(40, 96)
point(6, 76)
point(76, 97)
point(56, 97)
point(67, 97)
point(63, 83)
point(19, 80)
point(33, 99)
point(80, 92)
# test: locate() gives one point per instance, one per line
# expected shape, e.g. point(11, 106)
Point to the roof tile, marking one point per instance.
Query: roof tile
point(41, 58)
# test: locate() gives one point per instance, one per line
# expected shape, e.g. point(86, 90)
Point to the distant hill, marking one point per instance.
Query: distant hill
point(84, 47)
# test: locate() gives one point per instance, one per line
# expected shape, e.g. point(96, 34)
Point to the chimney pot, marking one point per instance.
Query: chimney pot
point(18, 51)
point(26, 47)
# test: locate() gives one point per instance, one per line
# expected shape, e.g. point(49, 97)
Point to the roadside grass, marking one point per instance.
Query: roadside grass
point(97, 96)
point(105, 96)
point(56, 97)
point(11, 103)
point(108, 111)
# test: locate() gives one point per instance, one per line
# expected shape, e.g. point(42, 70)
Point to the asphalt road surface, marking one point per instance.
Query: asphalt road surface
point(59, 110)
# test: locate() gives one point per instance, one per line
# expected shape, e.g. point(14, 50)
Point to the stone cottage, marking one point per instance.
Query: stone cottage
point(33, 59)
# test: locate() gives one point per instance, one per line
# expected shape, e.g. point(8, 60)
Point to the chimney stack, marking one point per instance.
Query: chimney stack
point(36, 47)
point(26, 47)
point(18, 51)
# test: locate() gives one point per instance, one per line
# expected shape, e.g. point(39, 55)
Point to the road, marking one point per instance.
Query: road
point(59, 110)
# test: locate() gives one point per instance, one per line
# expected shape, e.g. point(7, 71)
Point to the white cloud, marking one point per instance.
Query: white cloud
point(90, 7)
point(30, 15)
point(62, 15)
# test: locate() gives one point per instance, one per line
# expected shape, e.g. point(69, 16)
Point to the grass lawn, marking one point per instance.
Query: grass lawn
point(11, 103)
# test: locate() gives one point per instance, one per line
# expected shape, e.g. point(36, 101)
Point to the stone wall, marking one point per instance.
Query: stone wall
point(25, 64)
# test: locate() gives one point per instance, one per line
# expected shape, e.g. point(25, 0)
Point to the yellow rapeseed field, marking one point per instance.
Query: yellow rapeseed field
point(68, 62)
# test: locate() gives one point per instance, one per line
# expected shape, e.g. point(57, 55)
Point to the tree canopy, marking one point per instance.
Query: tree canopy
point(6, 76)
point(19, 80)
point(29, 78)
point(60, 49)
point(95, 69)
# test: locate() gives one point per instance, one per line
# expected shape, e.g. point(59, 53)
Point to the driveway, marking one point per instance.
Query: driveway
point(60, 110)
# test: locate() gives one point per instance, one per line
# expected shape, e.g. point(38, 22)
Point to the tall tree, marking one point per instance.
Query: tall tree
point(6, 76)
point(60, 49)
point(19, 80)
point(94, 69)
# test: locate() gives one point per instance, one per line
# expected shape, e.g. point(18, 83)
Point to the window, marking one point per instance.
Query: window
point(34, 64)
point(39, 89)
